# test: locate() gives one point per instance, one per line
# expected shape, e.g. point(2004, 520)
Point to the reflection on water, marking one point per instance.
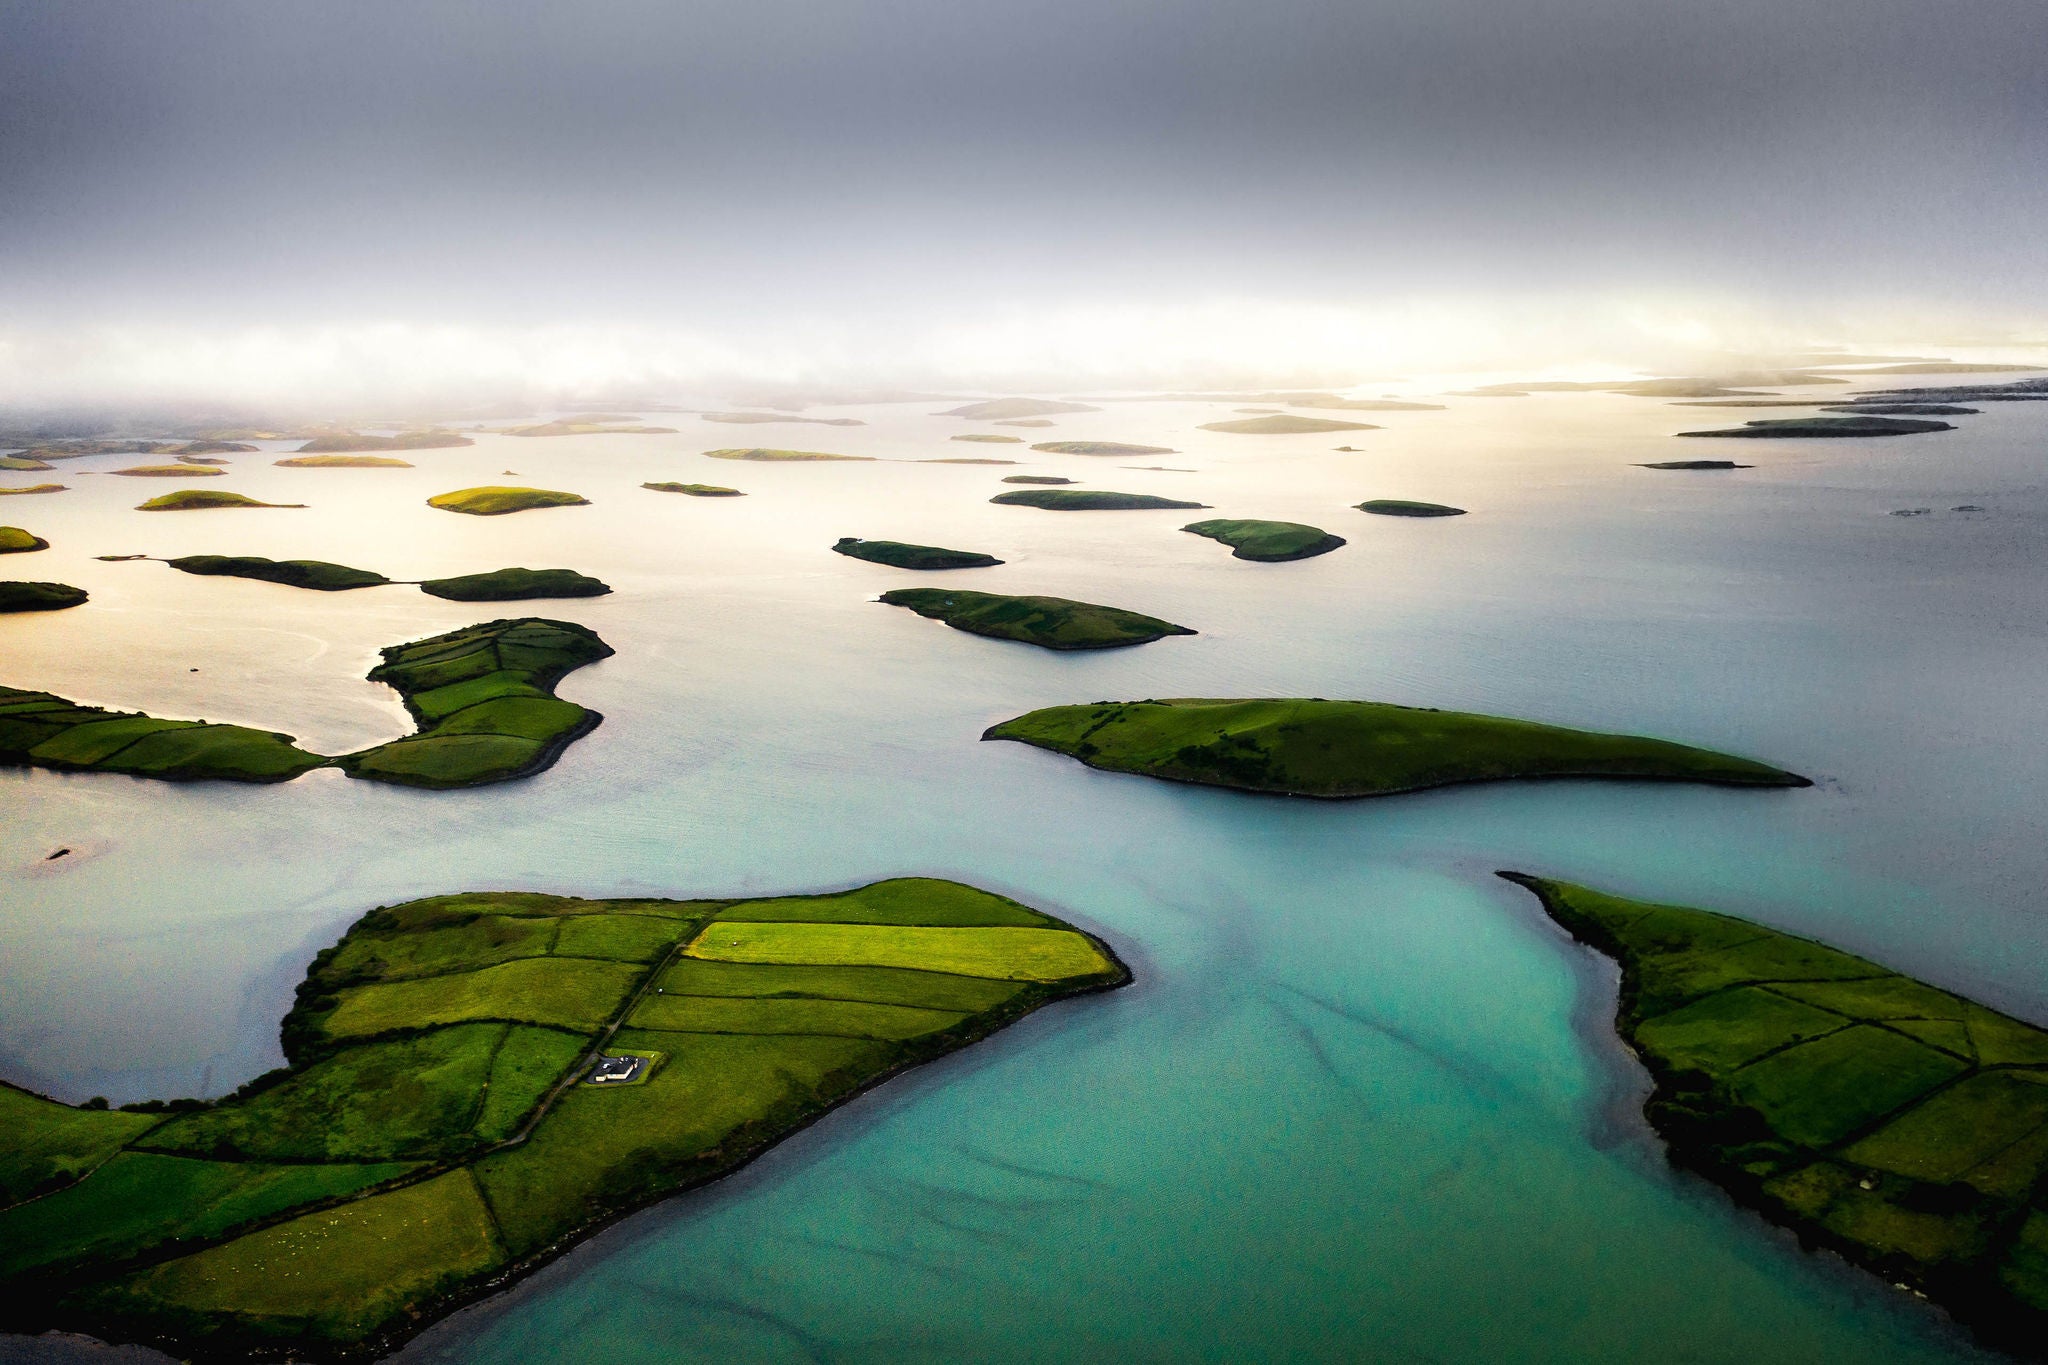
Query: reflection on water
point(1346, 1111)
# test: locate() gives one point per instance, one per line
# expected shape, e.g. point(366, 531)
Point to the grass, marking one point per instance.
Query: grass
point(46, 731)
point(201, 499)
point(901, 555)
point(19, 596)
point(570, 993)
point(169, 471)
point(1101, 448)
point(764, 454)
point(1087, 500)
point(1268, 542)
point(1829, 427)
point(1401, 507)
point(1853, 1103)
point(293, 573)
point(1004, 953)
point(617, 938)
point(825, 1018)
point(696, 490)
point(1285, 424)
point(342, 462)
point(47, 1145)
point(697, 977)
point(1312, 747)
point(1049, 622)
point(512, 585)
point(900, 900)
point(497, 500)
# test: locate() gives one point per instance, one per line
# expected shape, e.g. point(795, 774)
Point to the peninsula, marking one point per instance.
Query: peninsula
point(1049, 622)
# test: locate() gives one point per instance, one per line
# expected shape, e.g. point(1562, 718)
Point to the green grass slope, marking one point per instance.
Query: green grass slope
point(903, 555)
point(1901, 1125)
point(1049, 622)
point(1269, 542)
point(427, 1141)
point(45, 731)
point(316, 574)
point(1312, 747)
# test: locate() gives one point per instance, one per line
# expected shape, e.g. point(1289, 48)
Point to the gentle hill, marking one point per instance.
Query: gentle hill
point(989, 438)
point(1051, 480)
point(1267, 541)
point(1049, 622)
point(34, 488)
point(14, 541)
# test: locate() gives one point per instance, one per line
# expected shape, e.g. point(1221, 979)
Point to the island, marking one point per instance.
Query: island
point(1401, 507)
point(476, 1082)
point(586, 429)
point(1823, 427)
point(200, 499)
point(696, 490)
point(744, 417)
point(498, 500)
point(1905, 409)
point(1027, 422)
point(1009, 409)
point(342, 462)
point(349, 441)
point(1312, 747)
point(22, 464)
point(169, 471)
point(1101, 448)
point(989, 438)
point(964, 461)
point(316, 574)
point(514, 585)
point(193, 449)
point(1898, 1124)
point(1048, 479)
point(35, 488)
point(482, 697)
point(1285, 424)
point(779, 456)
point(1269, 542)
point(16, 596)
point(201, 459)
point(15, 541)
point(1087, 500)
point(1694, 464)
point(902, 555)
point(1049, 622)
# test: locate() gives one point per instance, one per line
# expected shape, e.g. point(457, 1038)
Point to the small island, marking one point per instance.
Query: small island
point(15, 541)
point(1694, 464)
point(316, 574)
point(1905, 409)
point(696, 490)
point(1048, 622)
point(586, 428)
point(1028, 421)
point(23, 464)
point(902, 555)
point(201, 459)
point(1088, 500)
point(964, 461)
point(35, 488)
point(1312, 747)
point(1285, 424)
point(194, 449)
point(476, 1081)
point(499, 500)
point(1101, 448)
point(767, 456)
point(1895, 1123)
point(16, 596)
point(342, 462)
point(1269, 542)
point(349, 441)
point(201, 499)
point(751, 417)
point(515, 585)
point(169, 471)
point(1825, 427)
point(988, 438)
point(1051, 480)
point(1401, 507)
point(1010, 409)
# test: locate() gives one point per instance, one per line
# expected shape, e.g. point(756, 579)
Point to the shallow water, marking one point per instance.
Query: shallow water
point(1362, 1101)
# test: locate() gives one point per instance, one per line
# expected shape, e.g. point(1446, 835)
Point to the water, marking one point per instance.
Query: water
point(1362, 1102)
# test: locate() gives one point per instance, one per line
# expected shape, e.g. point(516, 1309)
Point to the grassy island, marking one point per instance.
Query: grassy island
point(35, 488)
point(342, 462)
point(1400, 507)
point(483, 698)
point(1049, 622)
point(14, 541)
point(437, 1131)
point(1285, 424)
point(17, 596)
point(22, 464)
point(1898, 1124)
point(194, 449)
point(989, 438)
point(169, 471)
point(1694, 464)
point(1823, 427)
point(1009, 409)
point(1101, 448)
point(752, 417)
point(902, 555)
point(966, 461)
point(349, 441)
point(1087, 500)
point(1312, 747)
point(498, 500)
point(316, 574)
point(696, 490)
point(779, 456)
point(1906, 409)
point(200, 499)
point(587, 429)
point(1050, 480)
point(514, 585)
point(1269, 542)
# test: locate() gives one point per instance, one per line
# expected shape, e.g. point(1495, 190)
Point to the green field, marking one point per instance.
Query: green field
point(1269, 542)
point(1312, 747)
point(512, 585)
point(19, 596)
point(48, 1145)
point(292, 573)
point(497, 500)
point(1898, 1124)
point(1088, 500)
point(1003, 952)
point(902, 555)
point(1049, 622)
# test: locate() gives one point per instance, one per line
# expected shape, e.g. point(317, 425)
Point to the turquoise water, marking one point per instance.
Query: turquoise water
point(1361, 1102)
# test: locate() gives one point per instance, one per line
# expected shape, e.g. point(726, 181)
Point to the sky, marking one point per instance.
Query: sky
point(282, 195)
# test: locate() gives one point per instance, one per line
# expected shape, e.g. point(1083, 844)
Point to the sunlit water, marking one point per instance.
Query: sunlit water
point(1362, 1101)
